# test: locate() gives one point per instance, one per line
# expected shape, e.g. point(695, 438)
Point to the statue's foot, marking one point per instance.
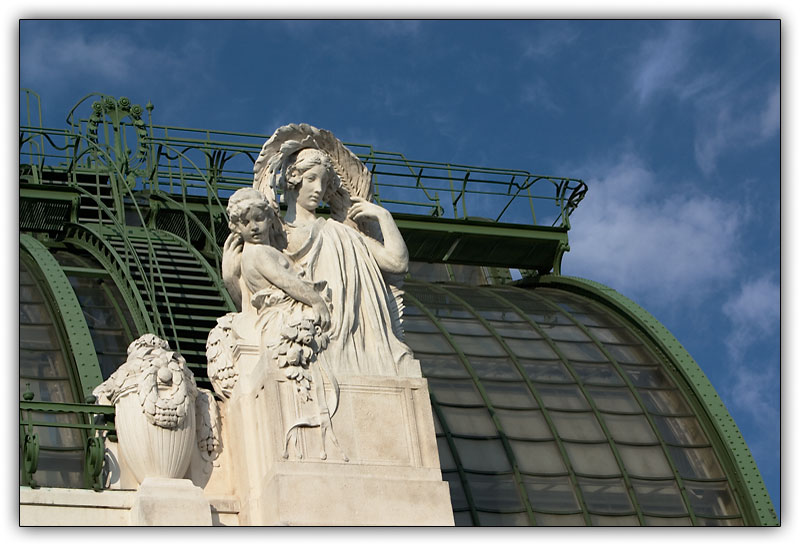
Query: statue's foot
point(323, 455)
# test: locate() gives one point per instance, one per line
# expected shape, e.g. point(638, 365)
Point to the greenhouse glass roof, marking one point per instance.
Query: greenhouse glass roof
point(556, 401)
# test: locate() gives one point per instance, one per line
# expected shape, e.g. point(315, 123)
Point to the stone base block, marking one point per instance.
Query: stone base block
point(166, 501)
point(384, 471)
point(327, 499)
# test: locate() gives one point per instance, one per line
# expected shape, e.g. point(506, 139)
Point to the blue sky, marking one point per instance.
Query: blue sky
point(674, 126)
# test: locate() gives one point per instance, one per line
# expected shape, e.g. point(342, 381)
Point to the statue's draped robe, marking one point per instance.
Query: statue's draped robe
point(363, 311)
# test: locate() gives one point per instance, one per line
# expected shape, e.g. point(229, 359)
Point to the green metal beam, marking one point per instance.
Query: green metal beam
point(69, 311)
point(746, 476)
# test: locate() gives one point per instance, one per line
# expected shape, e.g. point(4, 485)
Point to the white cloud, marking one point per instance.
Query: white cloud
point(77, 57)
point(754, 313)
point(725, 117)
point(726, 123)
point(753, 383)
point(549, 40)
point(661, 60)
point(47, 58)
point(538, 94)
point(669, 249)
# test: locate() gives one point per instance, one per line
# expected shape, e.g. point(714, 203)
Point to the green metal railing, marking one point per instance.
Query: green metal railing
point(93, 421)
point(198, 164)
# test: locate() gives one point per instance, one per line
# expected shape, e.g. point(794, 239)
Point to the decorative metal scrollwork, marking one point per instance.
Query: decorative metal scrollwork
point(30, 459)
point(93, 462)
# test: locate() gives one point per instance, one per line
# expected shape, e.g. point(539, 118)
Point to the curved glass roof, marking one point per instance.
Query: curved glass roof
point(550, 407)
point(45, 371)
point(550, 410)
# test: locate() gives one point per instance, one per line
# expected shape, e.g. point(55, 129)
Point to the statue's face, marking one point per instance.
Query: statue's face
point(255, 226)
point(312, 188)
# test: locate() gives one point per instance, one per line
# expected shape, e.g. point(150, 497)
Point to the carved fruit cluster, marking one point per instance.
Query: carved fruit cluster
point(300, 343)
point(164, 390)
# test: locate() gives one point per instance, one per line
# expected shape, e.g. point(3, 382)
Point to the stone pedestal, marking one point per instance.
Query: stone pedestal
point(172, 502)
point(383, 425)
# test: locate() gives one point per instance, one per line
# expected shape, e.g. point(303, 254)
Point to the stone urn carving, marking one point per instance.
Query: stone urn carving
point(154, 395)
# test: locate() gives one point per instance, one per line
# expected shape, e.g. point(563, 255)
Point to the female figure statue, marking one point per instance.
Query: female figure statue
point(354, 252)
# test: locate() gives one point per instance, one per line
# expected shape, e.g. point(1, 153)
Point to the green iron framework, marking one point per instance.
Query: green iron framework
point(139, 210)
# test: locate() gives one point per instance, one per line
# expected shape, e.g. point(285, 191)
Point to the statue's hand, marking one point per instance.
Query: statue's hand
point(362, 209)
point(321, 309)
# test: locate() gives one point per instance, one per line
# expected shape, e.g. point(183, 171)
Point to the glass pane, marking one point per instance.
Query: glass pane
point(494, 368)
point(630, 354)
point(468, 274)
point(547, 370)
point(711, 498)
point(457, 496)
point(509, 394)
point(494, 492)
point(462, 519)
point(660, 498)
point(597, 374)
point(484, 455)
point(33, 312)
point(577, 426)
point(648, 376)
point(455, 391)
point(478, 345)
point(37, 337)
point(567, 333)
point(531, 348)
point(60, 469)
point(101, 317)
point(42, 364)
point(630, 428)
point(109, 362)
point(551, 493)
point(592, 459)
point(53, 436)
point(516, 519)
point(614, 400)
point(423, 271)
point(645, 461)
point(680, 430)
point(420, 324)
point(524, 424)
point(669, 402)
point(585, 352)
point(29, 294)
point(733, 522)
point(469, 421)
point(469, 327)
point(562, 396)
point(110, 341)
point(428, 343)
point(538, 457)
point(446, 461)
point(667, 522)
point(441, 365)
point(605, 496)
point(614, 521)
point(48, 391)
point(559, 520)
point(613, 335)
point(515, 330)
point(696, 462)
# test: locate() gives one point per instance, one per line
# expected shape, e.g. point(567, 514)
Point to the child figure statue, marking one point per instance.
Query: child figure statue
point(290, 313)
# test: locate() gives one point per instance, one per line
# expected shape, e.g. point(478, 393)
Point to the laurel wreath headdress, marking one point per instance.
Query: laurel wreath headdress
point(278, 152)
